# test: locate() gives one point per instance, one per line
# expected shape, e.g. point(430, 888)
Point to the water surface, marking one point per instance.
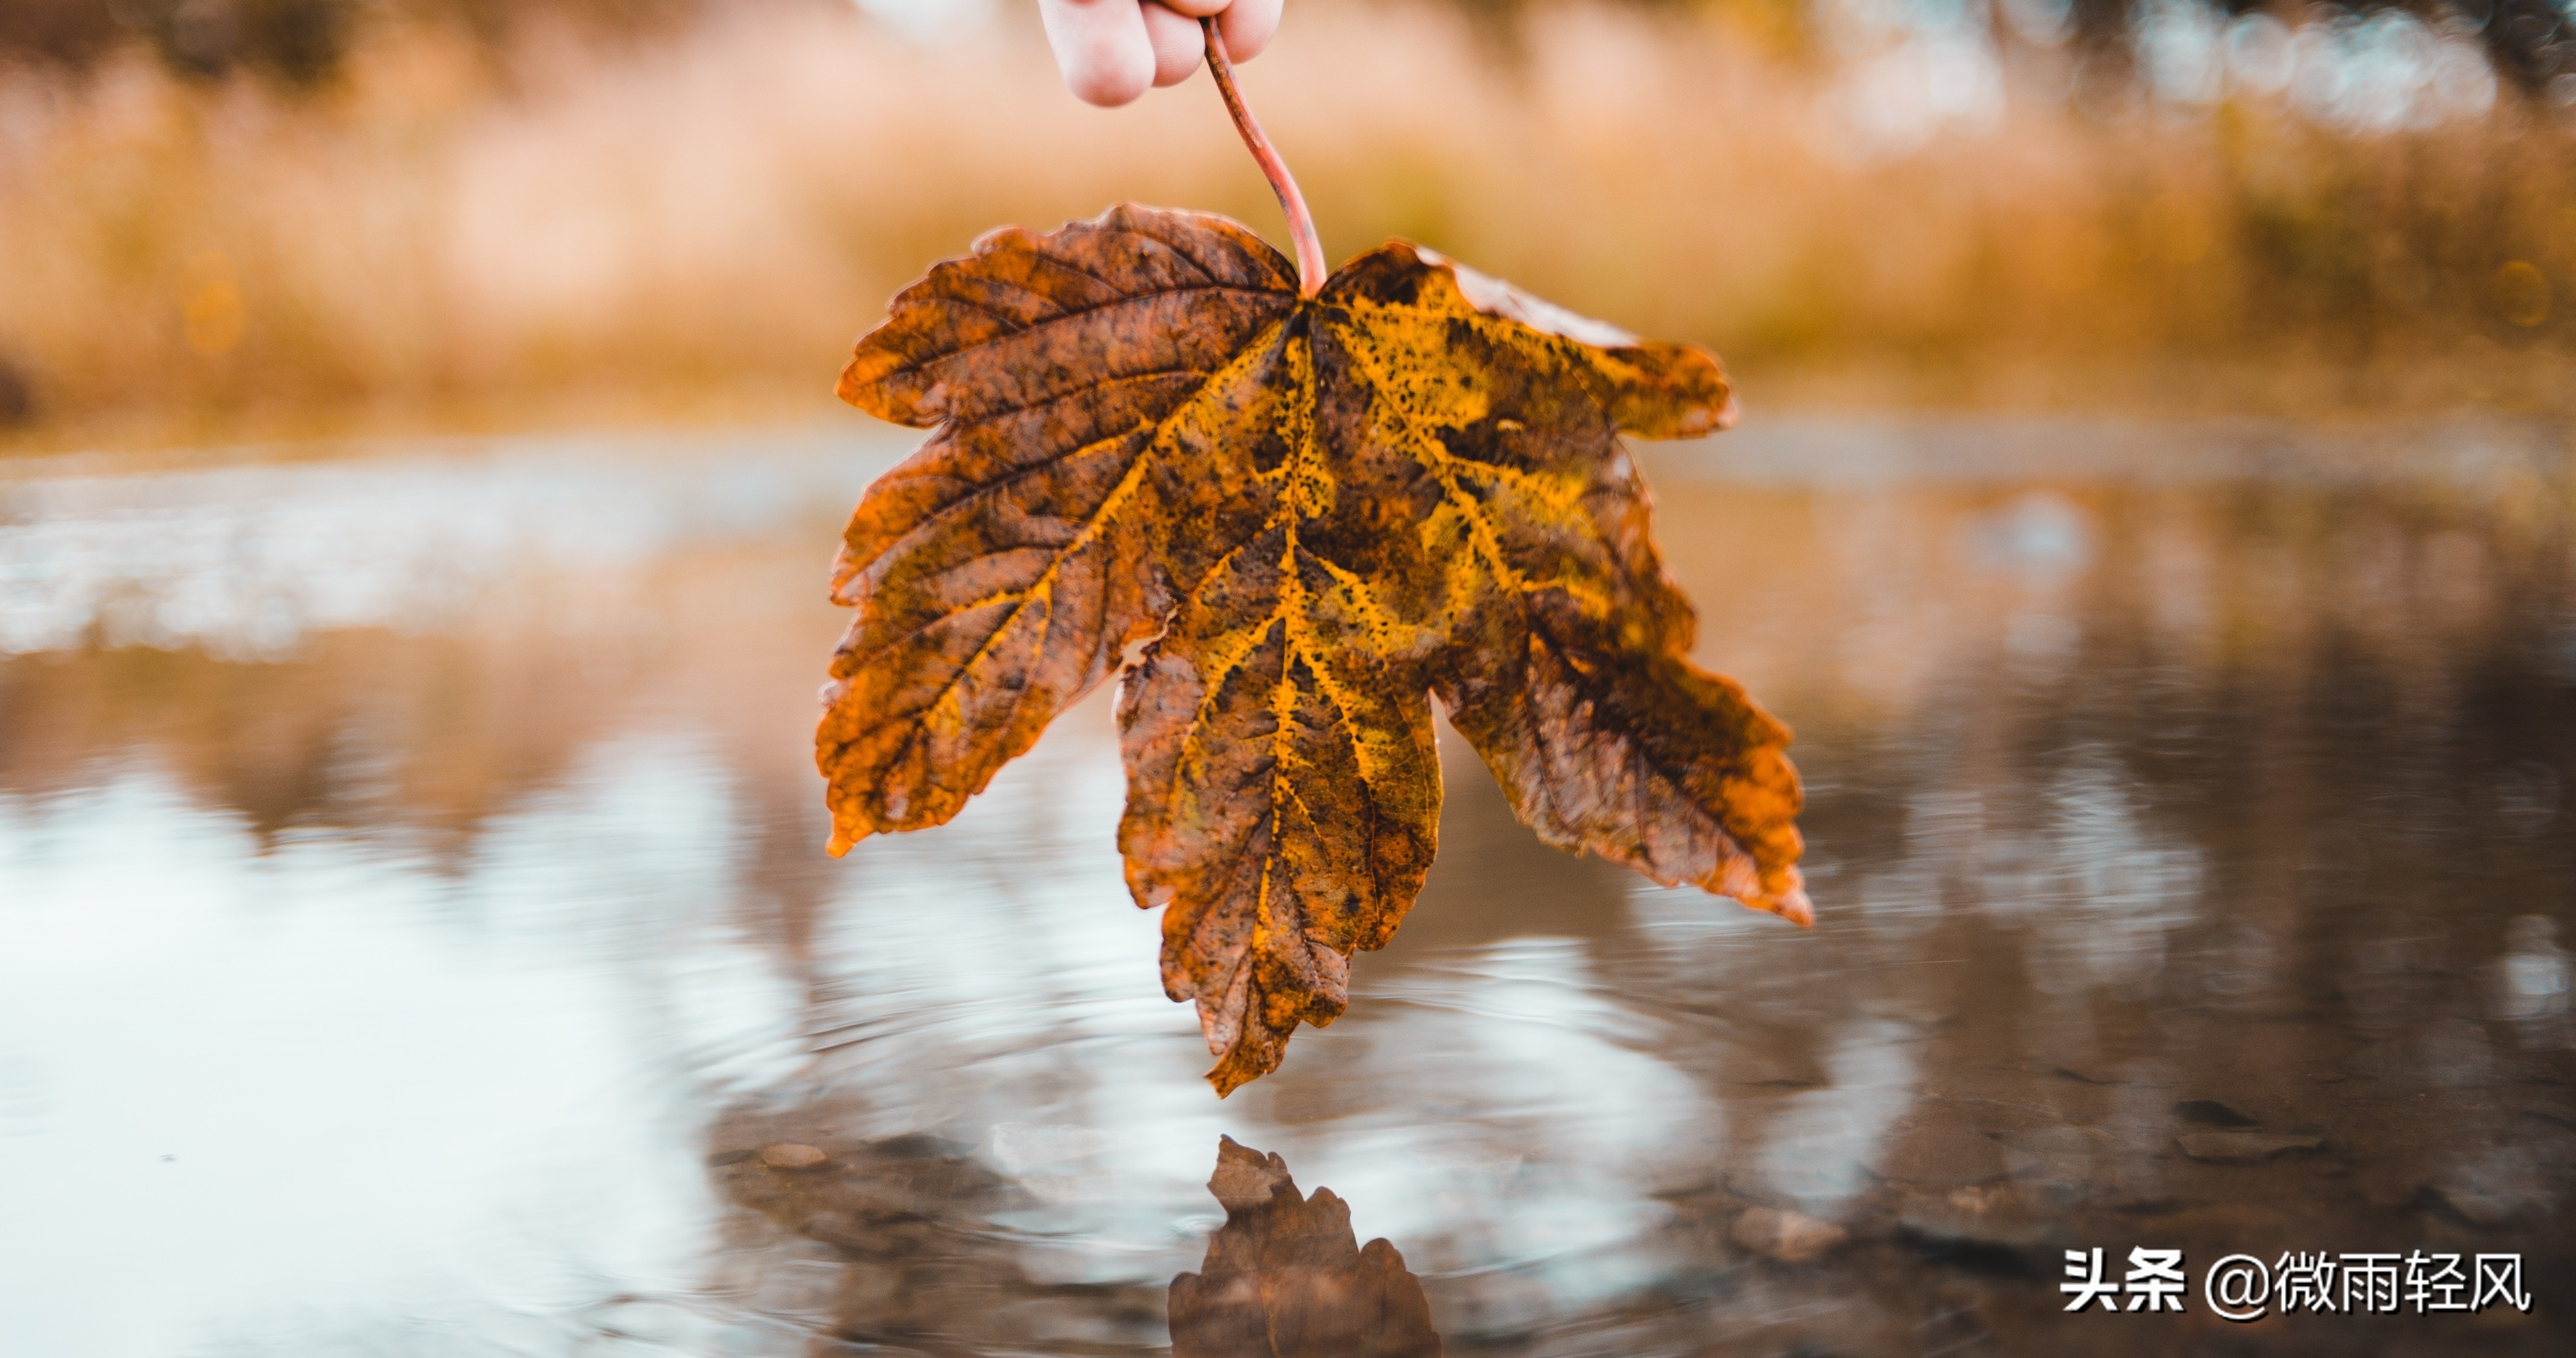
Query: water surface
point(415, 936)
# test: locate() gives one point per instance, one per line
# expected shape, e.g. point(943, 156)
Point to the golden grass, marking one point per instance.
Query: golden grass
point(712, 217)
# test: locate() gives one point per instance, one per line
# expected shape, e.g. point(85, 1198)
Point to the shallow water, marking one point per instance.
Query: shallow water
point(415, 935)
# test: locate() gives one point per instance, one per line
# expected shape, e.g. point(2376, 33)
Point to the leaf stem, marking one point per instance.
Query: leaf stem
point(1301, 224)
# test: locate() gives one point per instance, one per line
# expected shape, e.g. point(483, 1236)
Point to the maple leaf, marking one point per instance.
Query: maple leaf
point(1320, 505)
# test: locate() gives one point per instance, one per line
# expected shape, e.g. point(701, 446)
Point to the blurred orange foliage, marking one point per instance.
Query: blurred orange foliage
point(707, 212)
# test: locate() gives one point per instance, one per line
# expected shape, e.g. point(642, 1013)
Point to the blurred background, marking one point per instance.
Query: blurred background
point(2155, 511)
point(294, 215)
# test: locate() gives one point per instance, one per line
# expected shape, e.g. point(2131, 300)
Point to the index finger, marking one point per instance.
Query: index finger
point(1101, 47)
point(1246, 26)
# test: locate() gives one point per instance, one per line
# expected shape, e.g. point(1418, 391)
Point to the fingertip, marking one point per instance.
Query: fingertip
point(1102, 47)
point(1178, 43)
point(1247, 27)
point(1112, 83)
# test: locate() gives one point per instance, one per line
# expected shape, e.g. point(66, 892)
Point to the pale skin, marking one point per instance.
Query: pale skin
point(1112, 51)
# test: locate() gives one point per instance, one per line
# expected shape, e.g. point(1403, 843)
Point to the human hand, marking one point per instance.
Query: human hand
point(1110, 50)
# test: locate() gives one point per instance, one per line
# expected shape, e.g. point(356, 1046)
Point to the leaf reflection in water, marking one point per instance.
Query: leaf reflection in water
point(1285, 1276)
point(924, 1256)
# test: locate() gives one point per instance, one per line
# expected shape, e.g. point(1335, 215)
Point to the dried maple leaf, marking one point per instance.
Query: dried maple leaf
point(1321, 505)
